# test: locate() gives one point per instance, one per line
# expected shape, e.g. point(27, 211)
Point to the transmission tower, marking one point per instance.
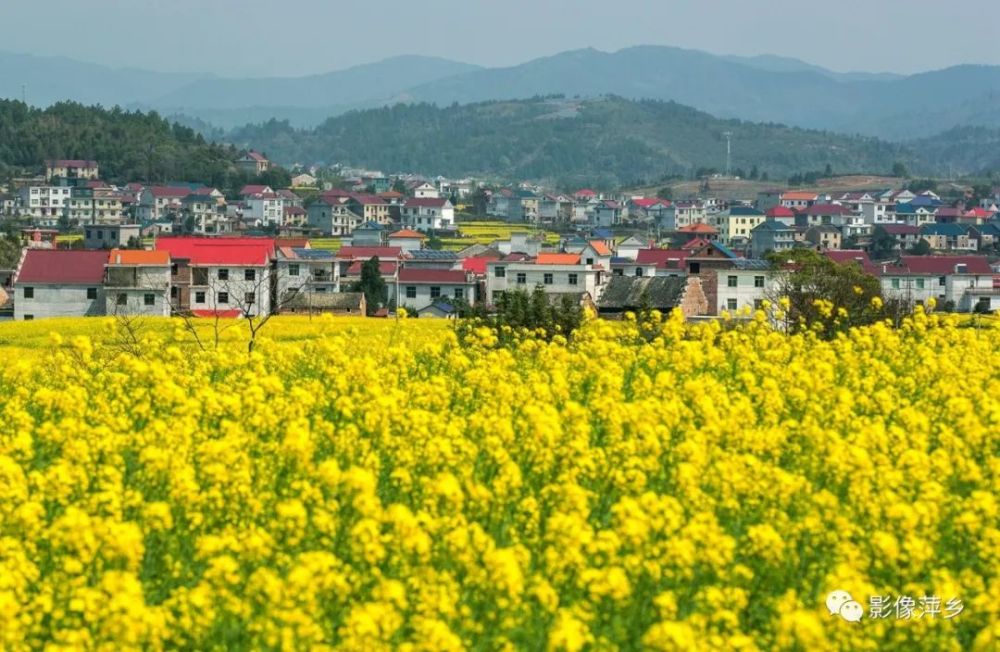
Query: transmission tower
point(729, 152)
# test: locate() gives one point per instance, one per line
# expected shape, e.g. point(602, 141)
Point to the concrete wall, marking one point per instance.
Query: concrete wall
point(135, 303)
point(423, 293)
point(58, 301)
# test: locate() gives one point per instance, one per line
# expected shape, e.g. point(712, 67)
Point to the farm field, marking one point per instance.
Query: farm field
point(374, 484)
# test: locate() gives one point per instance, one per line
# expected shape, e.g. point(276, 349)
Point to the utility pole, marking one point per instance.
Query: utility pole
point(729, 151)
point(24, 93)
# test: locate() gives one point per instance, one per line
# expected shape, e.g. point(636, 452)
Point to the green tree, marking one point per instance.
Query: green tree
point(829, 297)
point(899, 170)
point(883, 245)
point(921, 248)
point(372, 285)
point(665, 192)
point(434, 242)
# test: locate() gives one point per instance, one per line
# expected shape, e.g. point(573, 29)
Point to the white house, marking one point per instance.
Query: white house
point(264, 209)
point(967, 282)
point(426, 191)
point(745, 286)
point(427, 214)
point(420, 288)
point(59, 283)
point(406, 239)
point(44, 204)
point(303, 271)
point(556, 273)
point(137, 282)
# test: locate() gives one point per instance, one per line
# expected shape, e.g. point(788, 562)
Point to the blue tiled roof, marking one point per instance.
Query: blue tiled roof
point(313, 254)
point(745, 211)
point(727, 252)
point(371, 225)
point(943, 229)
point(751, 263)
point(601, 233)
point(432, 254)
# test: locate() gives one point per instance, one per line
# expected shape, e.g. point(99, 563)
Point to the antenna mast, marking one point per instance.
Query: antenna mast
point(729, 152)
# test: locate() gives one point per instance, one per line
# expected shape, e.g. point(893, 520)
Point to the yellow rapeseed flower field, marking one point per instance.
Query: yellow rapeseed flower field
point(372, 484)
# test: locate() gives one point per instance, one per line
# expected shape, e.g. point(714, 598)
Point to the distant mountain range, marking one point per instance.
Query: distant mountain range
point(764, 88)
point(607, 142)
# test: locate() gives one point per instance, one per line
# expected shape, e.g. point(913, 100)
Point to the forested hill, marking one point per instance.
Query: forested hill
point(130, 146)
point(610, 141)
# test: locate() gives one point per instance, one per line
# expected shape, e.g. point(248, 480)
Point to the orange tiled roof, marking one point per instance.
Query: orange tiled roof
point(600, 247)
point(798, 195)
point(557, 259)
point(138, 257)
point(407, 233)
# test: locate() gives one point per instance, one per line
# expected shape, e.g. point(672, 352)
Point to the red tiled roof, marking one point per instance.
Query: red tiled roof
point(368, 200)
point(255, 156)
point(477, 264)
point(799, 196)
point(70, 163)
point(354, 253)
point(443, 276)
point(828, 209)
point(900, 229)
point(62, 267)
point(943, 265)
point(219, 251)
point(294, 210)
point(170, 191)
point(298, 243)
point(425, 202)
point(860, 256)
point(660, 257)
point(645, 202)
point(408, 233)
point(254, 190)
point(384, 268)
point(586, 192)
point(780, 211)
point(697, 243)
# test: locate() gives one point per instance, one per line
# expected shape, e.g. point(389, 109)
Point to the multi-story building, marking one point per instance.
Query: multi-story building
point(746, 285)
point(45, 205)
point(420, 288)
point(555, 273)
point(428, 214)
point(302, 272)
point(161, 203)
point(71, 169)
point(111, 236)
point(332, 215)
point(370, 207)
point(137, 282)
point(264, 209)
point(963, 283)
point(94, 206)
point(253, 163)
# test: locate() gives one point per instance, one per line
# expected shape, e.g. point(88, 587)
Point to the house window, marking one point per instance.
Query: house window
point(122, 299)
point(920, 284)
point(249, 298)
point(895, 284)
point(91, 293)
point(459, 293)
point(223, 274)
point(435, 292)
point(149, 299)
point(694, 268)
point(638, 271)
point(757, 303)
point(619, 272)
point(547, 279)
point(223, 297)
point(573, 279)
point(100, 235)
point(29, 293)
point(590, 261)
point(249, 274)
point(89, 234)
point(500, 272)
point(758, 281)
point(293, 269)
point(942, 280)
point(731, 281)
point(173, 292)
point(199, 297)
point(522, 278)
point(173, 269)
point(730, 304)
point(411, 292)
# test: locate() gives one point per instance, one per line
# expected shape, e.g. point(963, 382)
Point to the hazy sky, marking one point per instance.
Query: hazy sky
point(266, 37)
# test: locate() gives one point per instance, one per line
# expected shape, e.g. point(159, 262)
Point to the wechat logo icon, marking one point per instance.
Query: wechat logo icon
point(840, 603)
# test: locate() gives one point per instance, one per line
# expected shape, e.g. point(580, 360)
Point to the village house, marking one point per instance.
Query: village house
point(948, 237)
point(746, 285)
point(350, 259)
point(683, 213)
point(906, 236)
point(304, 271)
point(111, 236)
point(914, 214)
point(771, 235)
point(426, 190)
point(652, 262)
point(59, 283)
point(44, 205)
point(420, 288)
point(204, 214)
point(630, 246)
point(736, 223)
point(137, 282)
point(264, 209)
point(225, 276)
point(631, 294)
point(781, 214)
point(72, 169)
point(304, 181)
point(161, 203)
point(962, 283)
point(331, 215)
point(609, 212)
point(407, 239)
point(370, 208)
point(369, 234)
point(253, 163)
point(798, 200)
point(824, 236)
point(556, 273)
point(824, 215)
point(428, 214)
point(431, 259)
point(94, 206)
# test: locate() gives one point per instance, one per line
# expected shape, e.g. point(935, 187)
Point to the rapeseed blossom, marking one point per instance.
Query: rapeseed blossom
point(374, 484)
